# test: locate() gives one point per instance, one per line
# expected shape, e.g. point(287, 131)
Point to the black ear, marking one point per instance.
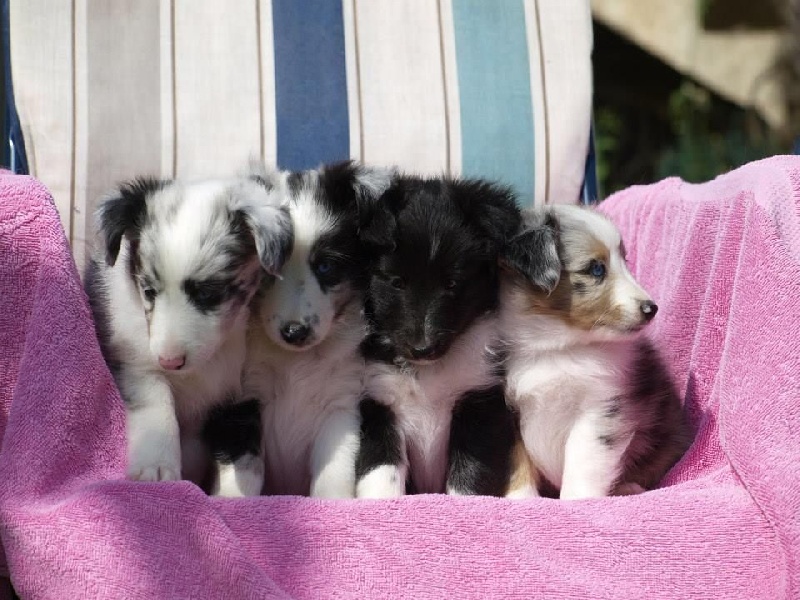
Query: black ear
point(490, 207)
point(124, 213)
point(377, 221)
point(533, 253)
point(350, 186)
point(269, 223)
point(350, 183)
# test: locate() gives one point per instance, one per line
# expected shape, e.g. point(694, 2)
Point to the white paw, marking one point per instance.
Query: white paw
point(333, 489)
point(522, 492)
point(154, 473)
point(386, 481)
point(154, 458)
point(239, 479)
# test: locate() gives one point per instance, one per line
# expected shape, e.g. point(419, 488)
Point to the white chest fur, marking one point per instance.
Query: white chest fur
point(422, 398)
point(299, 392)
point(554, 385)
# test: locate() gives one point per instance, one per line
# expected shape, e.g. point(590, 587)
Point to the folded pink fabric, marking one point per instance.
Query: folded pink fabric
point(721, 259)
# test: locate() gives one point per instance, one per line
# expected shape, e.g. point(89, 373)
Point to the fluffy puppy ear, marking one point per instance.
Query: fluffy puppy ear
point(377, 221)
point(534, 251)
point(124, 212)
point(255, 202)
point(259, 172)
point(351, 185)
point(490, 207)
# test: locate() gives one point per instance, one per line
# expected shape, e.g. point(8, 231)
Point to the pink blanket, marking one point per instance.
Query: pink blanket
point(721, 259)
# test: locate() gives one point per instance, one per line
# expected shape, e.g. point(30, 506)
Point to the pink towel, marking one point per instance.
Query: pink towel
point(722, 261)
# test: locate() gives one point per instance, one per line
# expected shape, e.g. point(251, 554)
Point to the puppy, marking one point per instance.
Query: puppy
point(599, 414)
point(303, 367)
point(170, 301)
point(433, 413)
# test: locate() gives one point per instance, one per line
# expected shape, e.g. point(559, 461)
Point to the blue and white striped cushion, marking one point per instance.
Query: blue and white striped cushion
point(492, 88)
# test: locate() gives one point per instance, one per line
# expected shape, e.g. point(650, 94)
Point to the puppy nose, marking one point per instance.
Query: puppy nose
point(295, 333)
point(649, 309)
point(423, 352)
point(172, 363)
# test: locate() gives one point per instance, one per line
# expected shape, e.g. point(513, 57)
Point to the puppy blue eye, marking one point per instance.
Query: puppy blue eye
point(397, 282)
point(597, 269)
point(324, 267)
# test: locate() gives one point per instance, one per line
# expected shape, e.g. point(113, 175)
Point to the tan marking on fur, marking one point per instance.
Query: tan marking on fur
point(523, 474)
point(593, 306)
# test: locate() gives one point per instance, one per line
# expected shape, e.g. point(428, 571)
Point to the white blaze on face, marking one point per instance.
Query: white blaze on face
point(182, 242)
point(627, 292)
point(297, 296)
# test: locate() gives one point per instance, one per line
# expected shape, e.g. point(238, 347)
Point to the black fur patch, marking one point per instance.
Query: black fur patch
point(338, 188)
point(339, 252)
point(207, 296)
point(232, 430)
point(436, 271)
point(295, 181)
point(377, 347)
point(482, 437)
point(380, 440)
point(339, 255)
point(125, 213)
point(490, 207)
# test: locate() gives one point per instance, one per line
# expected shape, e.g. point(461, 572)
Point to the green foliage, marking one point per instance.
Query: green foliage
point(691, 134)
point(608, 127)
point(700, 152)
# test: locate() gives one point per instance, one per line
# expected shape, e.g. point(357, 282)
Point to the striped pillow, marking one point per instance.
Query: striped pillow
point(494, 88)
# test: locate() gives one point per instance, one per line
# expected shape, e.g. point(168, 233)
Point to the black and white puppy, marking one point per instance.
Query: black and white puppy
point(434, 416)
point(303, 371)
point(599, 414)
point(170, 300)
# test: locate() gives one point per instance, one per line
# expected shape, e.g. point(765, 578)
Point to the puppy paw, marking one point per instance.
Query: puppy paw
point(522, 492)
point(386, 481)
point(154, 473)
point(158, 460)
point(239, 479)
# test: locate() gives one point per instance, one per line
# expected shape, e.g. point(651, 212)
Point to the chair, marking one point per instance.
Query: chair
point(171, 88)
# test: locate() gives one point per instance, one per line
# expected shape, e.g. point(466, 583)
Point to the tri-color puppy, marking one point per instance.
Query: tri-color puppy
point(434, 418)
point(599, 414)
point(170, 299)
point(304, 373)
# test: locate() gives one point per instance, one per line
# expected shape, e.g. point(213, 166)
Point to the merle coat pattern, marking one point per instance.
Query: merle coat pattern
point(170, 292)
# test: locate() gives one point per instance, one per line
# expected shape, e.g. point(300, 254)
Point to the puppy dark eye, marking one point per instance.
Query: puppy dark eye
point(450, 284)
point(206, 295)
point(149, 294)
point(597, 269)
point(397, 282)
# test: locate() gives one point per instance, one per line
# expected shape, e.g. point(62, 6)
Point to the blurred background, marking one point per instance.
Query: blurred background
point(695, 89)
